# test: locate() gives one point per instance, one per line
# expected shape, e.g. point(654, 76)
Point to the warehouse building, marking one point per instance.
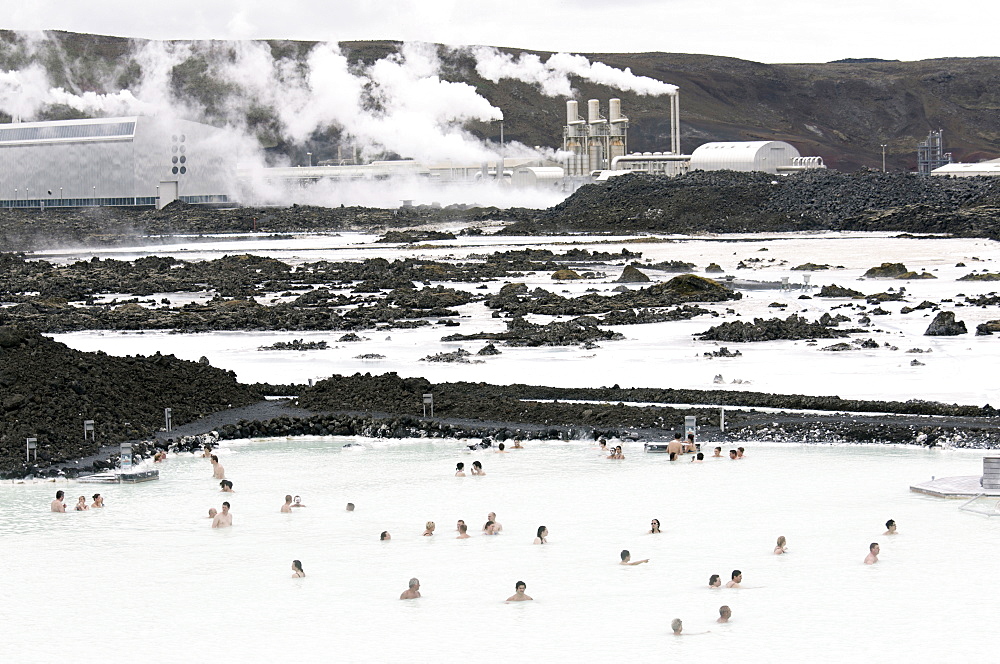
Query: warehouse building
point(126, 161)
point(962, 170)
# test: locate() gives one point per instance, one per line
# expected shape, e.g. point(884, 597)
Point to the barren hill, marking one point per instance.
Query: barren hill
point(841, 111)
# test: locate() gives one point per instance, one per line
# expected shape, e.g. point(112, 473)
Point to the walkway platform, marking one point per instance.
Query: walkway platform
point(119, 478)
point(965, 486)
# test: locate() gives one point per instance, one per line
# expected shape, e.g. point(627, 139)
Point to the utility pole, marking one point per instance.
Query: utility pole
point(883, 157)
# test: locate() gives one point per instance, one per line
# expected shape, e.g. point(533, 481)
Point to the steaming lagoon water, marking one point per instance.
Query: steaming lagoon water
point(147, 577)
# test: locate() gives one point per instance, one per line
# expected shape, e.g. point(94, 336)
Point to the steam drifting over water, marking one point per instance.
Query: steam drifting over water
point(400, 104)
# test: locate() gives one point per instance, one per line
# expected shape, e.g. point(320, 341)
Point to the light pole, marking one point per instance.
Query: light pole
point(883, 157)
point(310, 155)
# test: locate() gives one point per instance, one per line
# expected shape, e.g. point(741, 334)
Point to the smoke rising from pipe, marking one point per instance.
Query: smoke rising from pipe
point(552, 76)
point(399, 103)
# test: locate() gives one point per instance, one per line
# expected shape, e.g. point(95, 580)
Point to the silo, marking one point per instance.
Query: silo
point(594, 111)
point(572, 112)
point(615, 110)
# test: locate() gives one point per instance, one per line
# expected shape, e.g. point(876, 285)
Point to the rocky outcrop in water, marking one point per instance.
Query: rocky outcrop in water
point(557, 333)
point(833, 290)
point(945, 325)
point(886, 271)
point(632, 275)
point(793, 327)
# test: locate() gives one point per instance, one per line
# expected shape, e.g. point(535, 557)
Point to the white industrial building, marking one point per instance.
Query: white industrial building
point(126, 161)
point(958, 170)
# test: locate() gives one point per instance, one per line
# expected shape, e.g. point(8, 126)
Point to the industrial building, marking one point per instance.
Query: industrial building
point(960, 170)
point(125, 161)
point(598, 147)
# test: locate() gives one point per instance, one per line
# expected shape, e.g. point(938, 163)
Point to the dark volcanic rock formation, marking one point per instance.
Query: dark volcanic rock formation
point(632, 275)
point(833, 290)
point(886, 271)
point(729, 202)
point(557, 333)
point(49, 389)
point(793, 327)
point(516, 300)
point(945, 325)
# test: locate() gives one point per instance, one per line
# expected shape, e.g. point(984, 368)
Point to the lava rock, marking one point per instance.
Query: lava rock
point(945, 325)
point(632, 275)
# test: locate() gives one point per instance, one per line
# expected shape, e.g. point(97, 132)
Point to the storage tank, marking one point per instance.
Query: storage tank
point(572, 112)
point(537, 176)
point(615, 110)
point(594, 111)
point(761, 156)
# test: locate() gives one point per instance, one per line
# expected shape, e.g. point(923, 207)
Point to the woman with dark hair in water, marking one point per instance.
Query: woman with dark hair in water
point(384, 537)
point(477, 468)
point(460, 469)
point(297, 572)
point(654, 527)
point(543, 532)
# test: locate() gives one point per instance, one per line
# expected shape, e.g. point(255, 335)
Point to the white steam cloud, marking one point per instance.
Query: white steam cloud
point(553, 76)
point(399, 103)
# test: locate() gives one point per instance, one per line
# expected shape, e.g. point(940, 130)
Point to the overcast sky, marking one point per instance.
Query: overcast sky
point(765, 31)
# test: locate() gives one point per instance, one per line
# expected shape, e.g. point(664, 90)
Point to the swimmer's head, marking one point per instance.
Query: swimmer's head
point(737, 574)
point(212, 511)
point(226, 505)
point(384, 536)
point(462, 528)
point(890, 524)
point(414, 582)
point(676, 625)
point(677, 436)
point(781, 541)
point(725, 612)
point(625, 554)
point(501, 446)
point(96, 496)
point(215, 459)
point(718, 449)
point(873, 547)
point(459, 466)
point(476, 464)
point(430, 525)
point(542, 531)
point(673, 456)
point(350, 507)
point(690, 436)
point(732, 454)
point(520, 586)
point(297, 499)
point(655, 523)
point(714, 580)
point(288, 498)
point(59, 494)
point(700, 456)
point(297, 566)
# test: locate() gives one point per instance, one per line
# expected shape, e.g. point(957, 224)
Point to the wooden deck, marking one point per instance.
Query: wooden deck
point(966, 486)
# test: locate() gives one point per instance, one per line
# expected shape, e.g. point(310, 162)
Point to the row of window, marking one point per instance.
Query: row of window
point(78, 202)
point(49, 132)
point(213, 198)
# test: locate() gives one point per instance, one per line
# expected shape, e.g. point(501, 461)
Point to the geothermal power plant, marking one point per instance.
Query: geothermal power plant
point(146, 162)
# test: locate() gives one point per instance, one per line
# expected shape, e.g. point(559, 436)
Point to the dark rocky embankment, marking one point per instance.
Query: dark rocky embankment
point(48, 390)
point(730, 202)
